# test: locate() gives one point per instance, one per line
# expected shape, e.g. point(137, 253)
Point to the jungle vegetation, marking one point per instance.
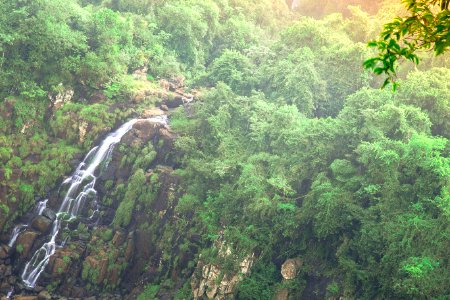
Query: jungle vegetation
point(293, 150)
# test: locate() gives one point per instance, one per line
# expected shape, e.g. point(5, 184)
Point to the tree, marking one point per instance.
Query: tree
point(427, 27)
point(234, 69)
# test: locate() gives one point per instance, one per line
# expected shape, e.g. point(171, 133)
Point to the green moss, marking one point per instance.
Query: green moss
point(135, 189)
point(149, 292)
point(107, 235)
point(19, 248)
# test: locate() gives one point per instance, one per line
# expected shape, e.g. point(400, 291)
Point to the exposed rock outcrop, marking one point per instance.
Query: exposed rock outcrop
point(210, 281)
point(64, 96)
point(289, 271)
point(25, 241)
point(41, 224)
point(290, 268)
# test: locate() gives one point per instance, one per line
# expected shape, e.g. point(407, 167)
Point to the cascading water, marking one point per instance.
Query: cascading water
point(16, 231)
point(41, 206)
point(10, 293)
point(80, 185)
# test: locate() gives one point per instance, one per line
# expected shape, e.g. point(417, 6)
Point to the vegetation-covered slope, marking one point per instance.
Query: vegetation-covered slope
point(289, 151)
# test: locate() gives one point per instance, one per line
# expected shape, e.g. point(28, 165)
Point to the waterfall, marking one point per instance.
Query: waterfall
point(80, 185)
point(41, 206)
point(9, 295)
point(15, 233)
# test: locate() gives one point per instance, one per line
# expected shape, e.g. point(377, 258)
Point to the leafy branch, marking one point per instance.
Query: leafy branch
point(426, 28)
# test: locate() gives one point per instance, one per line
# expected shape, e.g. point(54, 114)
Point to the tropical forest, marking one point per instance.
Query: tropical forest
point(224, 149)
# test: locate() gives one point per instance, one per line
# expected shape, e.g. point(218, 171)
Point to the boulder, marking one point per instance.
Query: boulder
point(290, 268)
point(50, 214)
point(26, 240)
point(144, 129)
point(41, 224)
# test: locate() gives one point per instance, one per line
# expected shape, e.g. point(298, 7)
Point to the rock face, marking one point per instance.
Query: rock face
point(290, 268)
point(64, 96)
point(210, 282)
point(41, 224)
point(50, 214)
point(25, 241)
point(95, 256)
point(82, 130)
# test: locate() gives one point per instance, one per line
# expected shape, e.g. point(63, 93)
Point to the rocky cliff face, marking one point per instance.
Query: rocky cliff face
point(211, 281)
point(128, 234)
point(109, 256)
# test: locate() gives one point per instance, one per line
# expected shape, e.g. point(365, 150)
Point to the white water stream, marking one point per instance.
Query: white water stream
point(9, 295)
point(16, 231)
point(80, 185)
point(41, 206)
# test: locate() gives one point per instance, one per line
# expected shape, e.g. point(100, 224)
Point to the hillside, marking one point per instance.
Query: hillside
point(218, 149)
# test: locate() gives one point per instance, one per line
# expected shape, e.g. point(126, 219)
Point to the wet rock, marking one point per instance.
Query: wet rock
point(25, 240)
point(44, 295)
point(41, 224)
point(50, 214)
point(145, 129)
point(290, 268)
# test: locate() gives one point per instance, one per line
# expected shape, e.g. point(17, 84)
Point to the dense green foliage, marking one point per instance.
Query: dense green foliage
point(426, 27)
point(289, 151)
